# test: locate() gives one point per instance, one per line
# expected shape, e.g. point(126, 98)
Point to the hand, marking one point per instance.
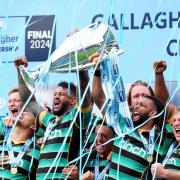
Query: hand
point(3, 161)
point(8, 121)
point(159, 169)
point(71, 171)
point(95, 57)
point(47, 108)
point(159, 66)
point(88, 176)
point(20, 60)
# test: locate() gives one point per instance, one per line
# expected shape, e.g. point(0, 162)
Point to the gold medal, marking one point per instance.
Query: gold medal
point(149, 158)
point(13, 170)
point(42, 146)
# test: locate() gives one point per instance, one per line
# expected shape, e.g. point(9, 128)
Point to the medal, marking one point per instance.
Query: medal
point(14, 161)
point(42, 146)
point(149, 158)
point(149, 146)
point(14, 170)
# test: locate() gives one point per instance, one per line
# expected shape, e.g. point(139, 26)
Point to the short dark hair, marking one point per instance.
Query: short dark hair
point(142, 83)
point(103, 123)
point(68, 85)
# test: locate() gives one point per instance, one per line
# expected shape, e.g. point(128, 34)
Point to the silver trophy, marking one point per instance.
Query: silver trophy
point(73, 53)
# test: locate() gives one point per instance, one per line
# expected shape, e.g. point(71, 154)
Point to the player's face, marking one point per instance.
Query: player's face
point(26, 120)
point(14, 104)
point(176, 126)
point(138, 92)
point(142, 110)
point(61, 101)
point(103, 135)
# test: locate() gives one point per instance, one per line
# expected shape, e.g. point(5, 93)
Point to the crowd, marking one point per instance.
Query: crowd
point(70, 141)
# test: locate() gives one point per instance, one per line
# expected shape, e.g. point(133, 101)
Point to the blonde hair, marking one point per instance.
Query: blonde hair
point(13, 90)
point(136, 83)
point(177, 109)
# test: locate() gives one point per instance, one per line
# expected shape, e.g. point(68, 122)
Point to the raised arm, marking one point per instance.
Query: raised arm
point(84, 79)
point(161, 90)
point(24, 92)
point(97, 92)
point(160, 85)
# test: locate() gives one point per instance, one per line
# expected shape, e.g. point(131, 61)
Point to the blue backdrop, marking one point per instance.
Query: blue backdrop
point(146, 31)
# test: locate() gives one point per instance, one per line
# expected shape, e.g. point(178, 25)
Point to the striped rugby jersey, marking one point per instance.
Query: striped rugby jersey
point(129, 157)
point(1, 130)
point(90, 135)
point(49, 168)
point(27, 165)
point(173, 163)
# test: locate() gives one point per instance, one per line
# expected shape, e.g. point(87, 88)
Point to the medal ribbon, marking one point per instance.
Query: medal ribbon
point(120, 91)
point(171, 150)
point(113, 87)
point(15, 161)
point(52, 123)
point(99, 176)
point(149, 147)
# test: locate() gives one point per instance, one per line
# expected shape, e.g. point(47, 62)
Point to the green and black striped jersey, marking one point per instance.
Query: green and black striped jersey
point(1, 130)
point(27, 164)
point(90, 135)
point(39, 133)
point(129, 157)
point(173, 163)
point(62, 144)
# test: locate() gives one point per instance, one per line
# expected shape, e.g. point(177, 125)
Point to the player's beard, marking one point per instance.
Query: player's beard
point(142, 118)
point(64, 109)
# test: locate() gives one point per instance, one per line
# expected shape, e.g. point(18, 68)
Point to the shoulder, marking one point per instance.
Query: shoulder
point(44, 117)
